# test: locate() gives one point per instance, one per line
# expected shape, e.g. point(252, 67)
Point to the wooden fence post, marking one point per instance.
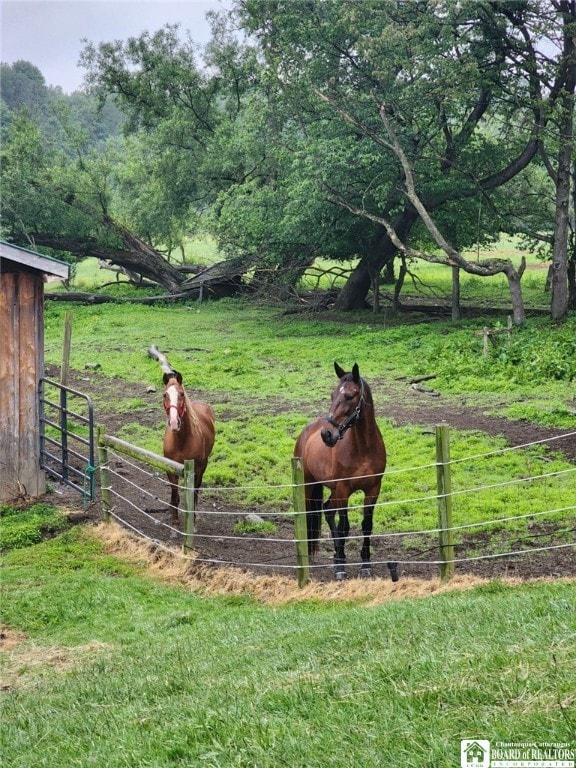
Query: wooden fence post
point(104, 475)
point(64, 368)
point(188, 508)
point(300, 525)
point(444, 489)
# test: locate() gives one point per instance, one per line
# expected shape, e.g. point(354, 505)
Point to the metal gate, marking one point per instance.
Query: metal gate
point(67, 436)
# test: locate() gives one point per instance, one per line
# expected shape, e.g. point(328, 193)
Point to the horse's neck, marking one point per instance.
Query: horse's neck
point(366, 428)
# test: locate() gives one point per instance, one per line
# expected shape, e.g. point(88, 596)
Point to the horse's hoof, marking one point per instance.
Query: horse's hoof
point(340, 575)
point(393, 568)
point(365, 572)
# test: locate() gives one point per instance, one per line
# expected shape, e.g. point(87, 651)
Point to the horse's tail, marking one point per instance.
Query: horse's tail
point(314, 520)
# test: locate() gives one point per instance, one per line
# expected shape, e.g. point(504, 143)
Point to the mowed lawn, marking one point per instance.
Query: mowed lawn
point(114, 668)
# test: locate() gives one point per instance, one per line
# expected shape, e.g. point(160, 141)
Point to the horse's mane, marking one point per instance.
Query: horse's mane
point(195, 422)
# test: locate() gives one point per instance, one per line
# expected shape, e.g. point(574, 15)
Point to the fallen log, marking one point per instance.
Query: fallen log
point(425, 391)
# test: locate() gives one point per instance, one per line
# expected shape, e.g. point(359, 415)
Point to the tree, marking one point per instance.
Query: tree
point(22, 85)
point(52, 202)
point(60, 185)
point(565, 165)
point(453, 77)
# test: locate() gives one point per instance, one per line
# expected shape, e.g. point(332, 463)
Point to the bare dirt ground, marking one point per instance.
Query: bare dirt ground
point(408, 406)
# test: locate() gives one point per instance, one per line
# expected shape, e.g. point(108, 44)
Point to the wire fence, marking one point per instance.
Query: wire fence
point(235, 533)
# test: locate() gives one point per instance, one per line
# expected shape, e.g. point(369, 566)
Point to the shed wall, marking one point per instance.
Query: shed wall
point(21, 367)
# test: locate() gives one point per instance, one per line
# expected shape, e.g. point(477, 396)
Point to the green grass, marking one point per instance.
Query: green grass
point(19, 530)
point(245, 527)
point(117, 670)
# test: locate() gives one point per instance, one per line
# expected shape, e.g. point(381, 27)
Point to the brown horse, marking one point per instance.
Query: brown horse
point(345, 452)
point(189, 432)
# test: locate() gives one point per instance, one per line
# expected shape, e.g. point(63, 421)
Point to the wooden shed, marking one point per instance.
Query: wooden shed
point(22, 276)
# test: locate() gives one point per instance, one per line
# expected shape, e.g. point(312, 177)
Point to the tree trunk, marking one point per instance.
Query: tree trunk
point(456, 314)
point(559, 298)
point(572, 284)
point(514, 277)
point(353, 295)
point(400, 283)
point(572, 240)
point(138, 257)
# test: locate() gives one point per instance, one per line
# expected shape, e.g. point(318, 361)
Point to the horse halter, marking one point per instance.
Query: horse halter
point(180, 410)
point(349, 421)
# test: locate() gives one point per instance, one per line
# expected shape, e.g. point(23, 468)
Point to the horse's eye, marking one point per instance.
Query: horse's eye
point(349, 396)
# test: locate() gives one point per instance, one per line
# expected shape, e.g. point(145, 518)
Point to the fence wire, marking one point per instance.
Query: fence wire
point(156, 530)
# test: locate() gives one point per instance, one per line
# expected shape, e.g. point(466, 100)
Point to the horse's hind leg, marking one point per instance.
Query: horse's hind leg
point(314, 519)
point(367, 525)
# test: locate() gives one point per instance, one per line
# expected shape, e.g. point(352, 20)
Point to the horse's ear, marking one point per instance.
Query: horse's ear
point(178, 376)
point(356, 373)
point(166, 378)
point(339, 371)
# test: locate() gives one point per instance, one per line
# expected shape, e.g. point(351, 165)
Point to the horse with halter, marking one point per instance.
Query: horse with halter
point(190, 430)
point(344, 452)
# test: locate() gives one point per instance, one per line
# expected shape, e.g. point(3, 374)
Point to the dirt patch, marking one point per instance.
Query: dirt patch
point(260, 555)
point(9, 638)
point(23, 664)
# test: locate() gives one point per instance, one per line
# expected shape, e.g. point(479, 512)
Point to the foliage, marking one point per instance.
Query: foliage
point(265, 685)
point(276, 142)
point(535, 354)
point(247, 526)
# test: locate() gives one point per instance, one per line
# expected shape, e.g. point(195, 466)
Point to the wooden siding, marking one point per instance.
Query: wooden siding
point(21, 367)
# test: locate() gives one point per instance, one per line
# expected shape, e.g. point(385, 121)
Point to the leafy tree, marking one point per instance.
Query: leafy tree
point(452, 76)
point(22, 85)
point(59, 185)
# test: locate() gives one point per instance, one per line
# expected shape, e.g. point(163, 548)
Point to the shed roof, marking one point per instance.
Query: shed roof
point(32, 260)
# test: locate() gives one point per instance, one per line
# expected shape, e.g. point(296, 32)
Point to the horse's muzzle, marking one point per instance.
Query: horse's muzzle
point(330, 437)
point(174, 422)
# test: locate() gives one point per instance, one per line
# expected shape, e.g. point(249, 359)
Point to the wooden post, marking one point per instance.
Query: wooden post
point(486, 333)
point(188, 507)
point(444, 488)
point(65, 367)
point(300, 525)
point(104, 475)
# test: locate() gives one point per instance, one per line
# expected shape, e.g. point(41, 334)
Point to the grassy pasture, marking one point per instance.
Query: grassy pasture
point(267, 374)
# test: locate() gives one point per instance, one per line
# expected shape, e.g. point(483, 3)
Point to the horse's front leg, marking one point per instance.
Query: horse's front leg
point(367, 525)
point(339, 533)
point(174, 497)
